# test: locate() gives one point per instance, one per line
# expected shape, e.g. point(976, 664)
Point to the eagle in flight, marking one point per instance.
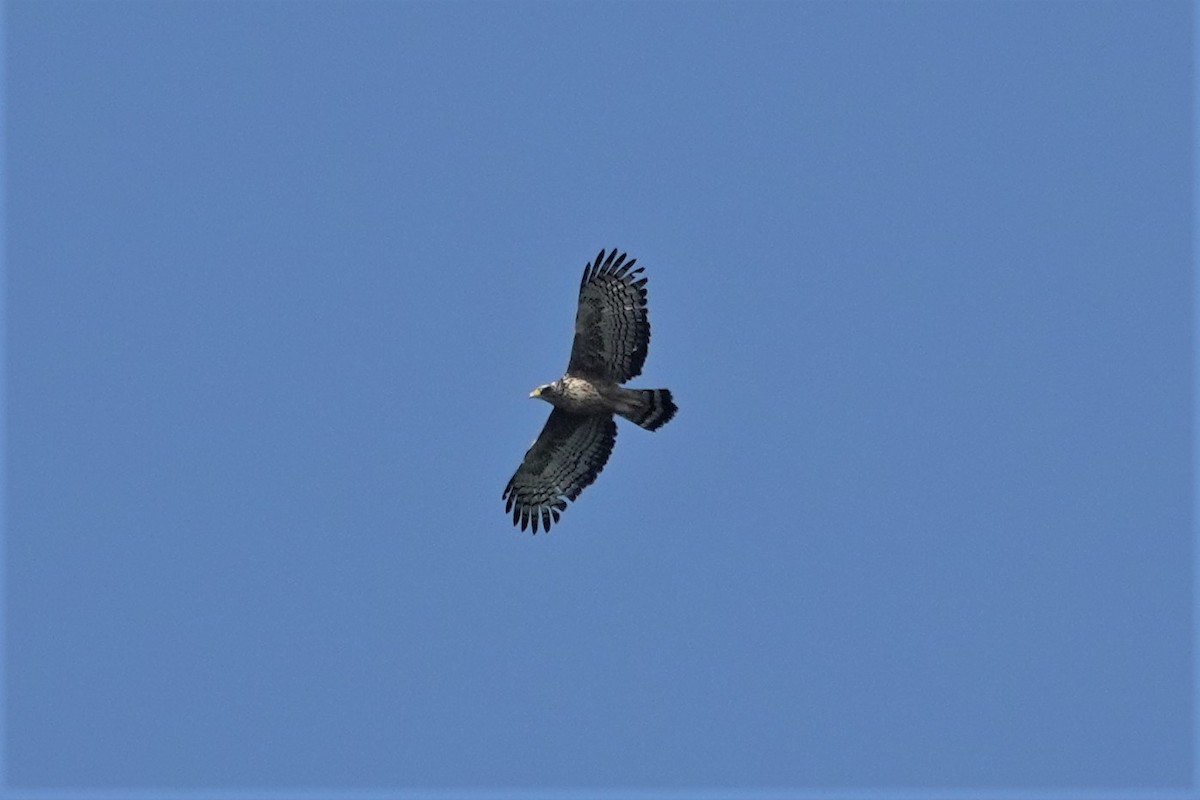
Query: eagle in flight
point(612, 333)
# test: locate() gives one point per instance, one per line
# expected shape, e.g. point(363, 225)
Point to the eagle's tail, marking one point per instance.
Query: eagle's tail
point(650, 408)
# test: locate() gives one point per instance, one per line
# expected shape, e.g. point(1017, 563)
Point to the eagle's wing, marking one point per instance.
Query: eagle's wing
point(612, 330)
point(567, 456)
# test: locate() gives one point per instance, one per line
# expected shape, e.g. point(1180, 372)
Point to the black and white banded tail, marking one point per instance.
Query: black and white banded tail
point(651, 408)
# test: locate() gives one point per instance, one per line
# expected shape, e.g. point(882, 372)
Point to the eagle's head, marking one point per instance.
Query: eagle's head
point(546, 391)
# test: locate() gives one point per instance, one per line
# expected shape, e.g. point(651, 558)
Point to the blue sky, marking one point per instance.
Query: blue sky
point(279, 277)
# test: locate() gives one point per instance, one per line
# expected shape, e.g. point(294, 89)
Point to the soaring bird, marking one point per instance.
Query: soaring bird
point(612, 333)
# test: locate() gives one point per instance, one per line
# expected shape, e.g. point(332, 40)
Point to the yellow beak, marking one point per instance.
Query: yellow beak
point(536, 392)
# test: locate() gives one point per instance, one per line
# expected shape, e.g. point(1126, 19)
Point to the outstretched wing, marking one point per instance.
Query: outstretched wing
point(567, 456)
point(612, 329)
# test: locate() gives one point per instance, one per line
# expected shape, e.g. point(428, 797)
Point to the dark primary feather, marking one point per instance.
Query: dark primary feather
point(567, 456)
point(612, 329)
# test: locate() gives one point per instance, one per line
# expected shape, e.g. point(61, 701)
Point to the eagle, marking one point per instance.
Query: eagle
point(612, 334)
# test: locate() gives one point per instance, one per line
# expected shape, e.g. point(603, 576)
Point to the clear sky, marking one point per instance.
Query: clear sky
point(280, 277)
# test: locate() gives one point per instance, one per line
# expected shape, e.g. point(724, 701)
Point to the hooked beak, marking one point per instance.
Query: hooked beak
point(536, 392)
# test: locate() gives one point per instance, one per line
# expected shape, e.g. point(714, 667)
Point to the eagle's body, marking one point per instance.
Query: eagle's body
point(582, 396)
point(579, 395)
point(612, 333)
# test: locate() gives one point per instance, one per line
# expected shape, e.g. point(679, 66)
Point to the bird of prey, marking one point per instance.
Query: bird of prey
point(612, 332)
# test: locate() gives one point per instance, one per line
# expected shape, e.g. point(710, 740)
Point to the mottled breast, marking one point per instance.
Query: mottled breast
point(579, 396)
